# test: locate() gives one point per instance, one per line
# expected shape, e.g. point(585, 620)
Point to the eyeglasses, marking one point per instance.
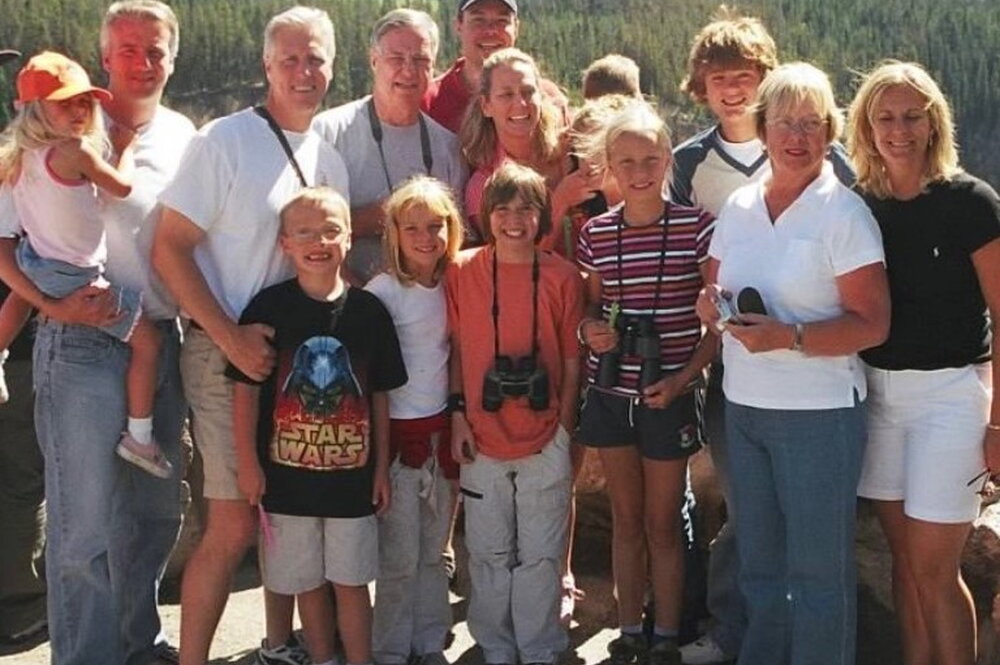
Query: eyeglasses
point(308, 236)
point(807, 126)
point(988, 487)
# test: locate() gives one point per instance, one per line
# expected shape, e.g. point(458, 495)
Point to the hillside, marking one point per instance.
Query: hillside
point(218, 68)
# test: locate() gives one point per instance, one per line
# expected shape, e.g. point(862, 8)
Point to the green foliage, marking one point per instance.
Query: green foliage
point(219, 66)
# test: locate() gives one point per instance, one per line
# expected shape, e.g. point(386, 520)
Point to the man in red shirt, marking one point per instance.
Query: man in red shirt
point(483, 26)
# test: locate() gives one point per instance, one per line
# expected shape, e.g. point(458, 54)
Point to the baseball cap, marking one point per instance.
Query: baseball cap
point(465, 4)
point(6, 55)
point(54, 77)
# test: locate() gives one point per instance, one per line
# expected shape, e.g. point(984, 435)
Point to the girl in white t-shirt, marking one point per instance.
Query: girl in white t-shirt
point(412, 614)
point(51, 157)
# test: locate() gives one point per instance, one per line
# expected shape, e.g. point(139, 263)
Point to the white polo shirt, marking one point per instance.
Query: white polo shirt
point(827, 232)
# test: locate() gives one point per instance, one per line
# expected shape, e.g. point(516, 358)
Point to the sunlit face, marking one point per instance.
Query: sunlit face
point(901, 126)
point(729, 93)
point(403, 63)
point(484, 28)
point(423, 239)
point(513, 101)
point(137, 58)
point(638, 162)
point(514, 224)
point(70, 117)
point(298, 70)
point(796, 139)
point(316, 239)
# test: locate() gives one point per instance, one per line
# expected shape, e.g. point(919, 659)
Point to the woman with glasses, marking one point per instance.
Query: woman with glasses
point(931, 415)
point(794, 385)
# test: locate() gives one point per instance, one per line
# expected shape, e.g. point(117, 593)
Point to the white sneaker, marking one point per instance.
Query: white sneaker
point(147, 457)
point(703, 651)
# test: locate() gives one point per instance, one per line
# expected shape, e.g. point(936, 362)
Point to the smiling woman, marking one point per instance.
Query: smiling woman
point(512, 121)
point(794, 386)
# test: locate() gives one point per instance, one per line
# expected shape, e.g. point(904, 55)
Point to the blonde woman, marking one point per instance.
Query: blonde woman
point(931, 416)
point(794, 385)
point(511, 121)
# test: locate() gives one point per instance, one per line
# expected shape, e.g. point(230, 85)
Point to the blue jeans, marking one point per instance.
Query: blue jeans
point(725, 602)
point(79, 416)
point(794, 494)
point(149, 509)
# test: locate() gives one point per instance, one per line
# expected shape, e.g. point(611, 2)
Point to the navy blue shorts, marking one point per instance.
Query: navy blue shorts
point(610, 420)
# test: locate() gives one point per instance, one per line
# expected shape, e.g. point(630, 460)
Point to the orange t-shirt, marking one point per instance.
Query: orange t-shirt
point(515, 430)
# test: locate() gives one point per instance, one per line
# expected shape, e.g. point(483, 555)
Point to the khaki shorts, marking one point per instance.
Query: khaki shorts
point(306, 552)
point(210, 395)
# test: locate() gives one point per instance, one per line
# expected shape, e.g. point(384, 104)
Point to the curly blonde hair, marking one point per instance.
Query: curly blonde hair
point(942, 151)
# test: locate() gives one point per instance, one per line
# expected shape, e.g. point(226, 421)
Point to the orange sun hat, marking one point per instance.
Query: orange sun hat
point(54, 77)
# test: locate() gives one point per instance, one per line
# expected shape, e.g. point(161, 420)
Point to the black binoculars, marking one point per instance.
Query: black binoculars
point(637, 336)
point(516, 377)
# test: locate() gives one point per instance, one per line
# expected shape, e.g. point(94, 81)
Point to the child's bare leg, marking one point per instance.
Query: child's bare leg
point(14, 314)
point(137, 445)
point(354, 619)
point(278, 611)
point(141, 377)
point(316, 613)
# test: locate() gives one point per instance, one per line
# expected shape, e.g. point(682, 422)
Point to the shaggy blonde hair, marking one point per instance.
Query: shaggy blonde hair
point(30, 130)
point(942, 151)
point(478, 134)
point(730, 41)
point(792, 84)
point(420, 193)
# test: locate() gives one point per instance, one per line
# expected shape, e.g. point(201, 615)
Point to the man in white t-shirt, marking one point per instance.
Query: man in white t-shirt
point(385, 137)
point(112, 527)
point(215, 248)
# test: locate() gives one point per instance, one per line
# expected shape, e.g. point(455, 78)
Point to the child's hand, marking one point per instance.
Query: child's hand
point(660, 394)
point(463, 445)
point(381, 493)
point(599, 335)
point(121, 137)
point(250, 481)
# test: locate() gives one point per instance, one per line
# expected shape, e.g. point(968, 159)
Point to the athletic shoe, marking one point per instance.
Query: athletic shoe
point(147, 457)
point(703, 651)
point(434, 658)
point(165, 653)
point(628, 649)
point(284, 654)
point(567, 604)
point(664, 653)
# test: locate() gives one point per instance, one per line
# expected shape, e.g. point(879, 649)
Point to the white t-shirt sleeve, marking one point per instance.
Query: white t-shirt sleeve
point(717, 246)
point(10, 223)
point(856, 242)
point(201, 187)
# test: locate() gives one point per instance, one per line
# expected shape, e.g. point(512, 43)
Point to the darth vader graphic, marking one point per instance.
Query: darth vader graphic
point(321, 418)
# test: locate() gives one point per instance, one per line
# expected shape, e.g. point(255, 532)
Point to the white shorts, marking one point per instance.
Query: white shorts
point(925, 440)
point(306, 552)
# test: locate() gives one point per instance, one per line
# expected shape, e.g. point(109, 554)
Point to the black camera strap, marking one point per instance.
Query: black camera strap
point(663, 260)
point(282, 139)
point(535, 276)
point(425, 141)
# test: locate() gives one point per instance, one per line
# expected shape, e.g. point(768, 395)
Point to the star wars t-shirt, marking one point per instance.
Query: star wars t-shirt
point(314, 435)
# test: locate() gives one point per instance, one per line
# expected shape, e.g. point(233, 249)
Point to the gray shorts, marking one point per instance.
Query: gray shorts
point(306, 552)
point(58, 279)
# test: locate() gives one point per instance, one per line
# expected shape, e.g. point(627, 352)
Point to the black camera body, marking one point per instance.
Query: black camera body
point(516, 377)
point(637, 336)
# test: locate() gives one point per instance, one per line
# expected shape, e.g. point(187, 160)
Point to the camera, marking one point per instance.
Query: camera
point(637, 336)
point(516, 377)
point(727, 312)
